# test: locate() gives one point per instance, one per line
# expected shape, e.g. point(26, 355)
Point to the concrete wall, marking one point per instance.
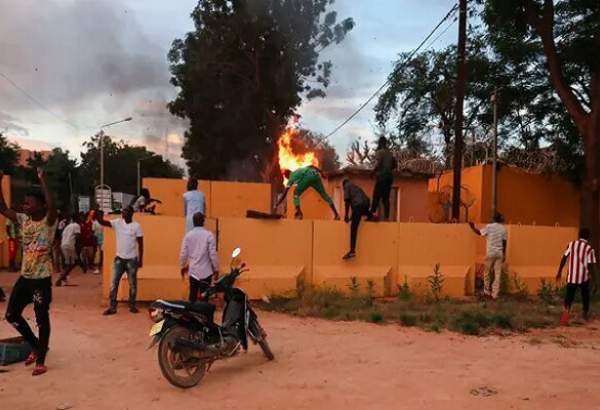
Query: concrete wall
point(524, 198)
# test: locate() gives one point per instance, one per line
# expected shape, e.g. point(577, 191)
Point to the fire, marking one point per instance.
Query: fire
point(288, 159)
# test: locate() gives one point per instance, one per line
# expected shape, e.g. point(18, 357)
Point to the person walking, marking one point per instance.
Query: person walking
point(129, 257)
point(34, 285)
point(356, 200)
point(496, 237)
point(193, 202)
point(71, 236)
point(384, 177)
point(99, 234)
point(88, 241)
point(198, 257)
point(304, 178)
point(582, 274)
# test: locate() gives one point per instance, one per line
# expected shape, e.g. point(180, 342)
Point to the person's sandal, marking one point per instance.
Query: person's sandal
point(31, 359)
point(133, 309)
point(39, 369)
point(349, 255)
point(564, 319)
point(109, 311)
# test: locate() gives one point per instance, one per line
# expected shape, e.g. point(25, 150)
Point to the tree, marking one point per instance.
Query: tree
point(120, 165)
point(242, 73)
point(569, 33)
point(8, 155)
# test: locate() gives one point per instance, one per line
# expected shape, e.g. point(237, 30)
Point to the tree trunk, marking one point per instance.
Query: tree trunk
point(590, 198)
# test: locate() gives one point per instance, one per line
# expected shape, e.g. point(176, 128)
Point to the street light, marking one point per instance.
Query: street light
point(102, 146)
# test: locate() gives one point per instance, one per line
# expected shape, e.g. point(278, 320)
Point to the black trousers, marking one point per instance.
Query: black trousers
point(357, 213)
point(585, 295)
point(381, 192)
point(38, 292)
point(198, 286)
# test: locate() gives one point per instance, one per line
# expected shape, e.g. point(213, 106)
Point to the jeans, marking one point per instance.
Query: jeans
point(198, 286)
point(38, 292)
point(492, 263)
point(120, 267)
point(381, 192)
point(357, 213)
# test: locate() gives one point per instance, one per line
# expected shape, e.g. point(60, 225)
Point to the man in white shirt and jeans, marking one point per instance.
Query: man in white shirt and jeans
point(68, 246)
point(129, 257)
point(199, 257)
point(495, 234)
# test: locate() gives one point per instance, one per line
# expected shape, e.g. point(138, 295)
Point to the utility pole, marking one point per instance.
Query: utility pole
point(495, 154)
point(461, 81)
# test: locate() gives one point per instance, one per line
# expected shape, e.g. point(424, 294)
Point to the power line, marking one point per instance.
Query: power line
point(37, 102)
point(415, 51)
point(454, 20)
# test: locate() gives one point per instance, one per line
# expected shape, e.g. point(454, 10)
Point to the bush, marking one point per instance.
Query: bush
point(471, 323)
point(354, 286)
point(503, 321)
point(408, 319)
point(436, 282)
point(375, 317)
point(546, 292)
point(404, 292)
point(520, 288)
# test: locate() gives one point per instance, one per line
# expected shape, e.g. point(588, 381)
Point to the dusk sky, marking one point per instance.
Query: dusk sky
point(90, 62)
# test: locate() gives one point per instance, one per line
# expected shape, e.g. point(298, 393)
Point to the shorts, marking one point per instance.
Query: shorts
point(70, 255)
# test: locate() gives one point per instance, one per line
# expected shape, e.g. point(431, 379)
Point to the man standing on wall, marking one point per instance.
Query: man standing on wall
point(193, 202)
point(305, 178)
point(199, 257)
point(129, 257)
point(582, 274)
point(37, 225)
point(496, 236)
point(384, 177)
point(355, 199)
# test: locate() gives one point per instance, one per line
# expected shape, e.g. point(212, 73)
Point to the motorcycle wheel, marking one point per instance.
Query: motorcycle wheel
point(264, 345)
point(173, 363)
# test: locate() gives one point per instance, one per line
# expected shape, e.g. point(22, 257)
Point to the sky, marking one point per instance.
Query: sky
point(69, 66)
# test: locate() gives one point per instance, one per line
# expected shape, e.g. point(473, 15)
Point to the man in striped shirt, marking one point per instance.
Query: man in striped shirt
point(582, 260)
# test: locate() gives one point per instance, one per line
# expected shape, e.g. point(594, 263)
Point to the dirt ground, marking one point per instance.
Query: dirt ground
point(99, 362)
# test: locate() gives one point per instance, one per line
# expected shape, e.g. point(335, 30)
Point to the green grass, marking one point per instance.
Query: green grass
point(470, 316)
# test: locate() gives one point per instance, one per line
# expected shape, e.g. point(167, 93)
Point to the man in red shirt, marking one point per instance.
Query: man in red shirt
point(582, 261)
point(88, 242)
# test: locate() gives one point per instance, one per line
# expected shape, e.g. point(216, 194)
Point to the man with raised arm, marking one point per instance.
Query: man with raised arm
point(129, 257)
point(34, 285)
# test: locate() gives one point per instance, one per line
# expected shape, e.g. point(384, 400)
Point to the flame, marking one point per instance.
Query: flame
point(288, 159)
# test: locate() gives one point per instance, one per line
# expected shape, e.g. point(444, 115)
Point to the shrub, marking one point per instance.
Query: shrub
point(503, 321)
point(520, 288)
point(370, 292)
point(354, 286)
point(436, 282)
point(375, 317)
point(404, 292)
point(408, 319)
point(546, 292)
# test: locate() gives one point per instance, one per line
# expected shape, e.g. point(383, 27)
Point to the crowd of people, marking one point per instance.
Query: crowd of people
point(52, 243)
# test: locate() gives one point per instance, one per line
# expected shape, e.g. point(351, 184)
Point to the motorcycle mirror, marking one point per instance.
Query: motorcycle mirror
point(236, 252)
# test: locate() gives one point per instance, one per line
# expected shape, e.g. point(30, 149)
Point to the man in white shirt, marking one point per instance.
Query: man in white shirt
point(199, 257)
point(496, 236)
point(129, 257)
point(68, 246)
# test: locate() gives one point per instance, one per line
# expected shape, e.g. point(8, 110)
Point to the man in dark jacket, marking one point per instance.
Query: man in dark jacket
point(384, 177)
point(355, 199)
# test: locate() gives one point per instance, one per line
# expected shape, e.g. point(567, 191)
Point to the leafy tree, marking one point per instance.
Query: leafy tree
point(243, 71)
point(561, 39)
point(120, 165)
point(8, 155)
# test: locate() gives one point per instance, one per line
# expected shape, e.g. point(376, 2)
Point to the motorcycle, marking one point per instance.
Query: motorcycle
point(189, 341)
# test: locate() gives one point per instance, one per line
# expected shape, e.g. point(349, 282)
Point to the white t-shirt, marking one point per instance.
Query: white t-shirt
point(127, 234)
point(496, 234)
point(69, 234)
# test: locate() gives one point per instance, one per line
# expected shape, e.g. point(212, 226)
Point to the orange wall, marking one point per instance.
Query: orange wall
point(312, 205)
point(536, 199)
point(523, 197)
point(170, 192)
point(537, 245)
point(233, 199)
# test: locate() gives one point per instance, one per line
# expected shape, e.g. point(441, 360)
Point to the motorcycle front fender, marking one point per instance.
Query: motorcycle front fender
point(154, 342)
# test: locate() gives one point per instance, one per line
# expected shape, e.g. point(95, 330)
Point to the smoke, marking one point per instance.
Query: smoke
point(66, 52)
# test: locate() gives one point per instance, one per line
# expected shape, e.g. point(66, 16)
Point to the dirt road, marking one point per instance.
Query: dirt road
point(99, 362)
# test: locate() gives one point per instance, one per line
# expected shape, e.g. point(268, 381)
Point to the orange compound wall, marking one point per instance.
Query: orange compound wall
point(278, 253)
point(233, 199)
point(312, 205)
point(422, 246)
point(3, 238)
point(170, 192)
point(375, 261)
point(534, 253)
point(531, 199)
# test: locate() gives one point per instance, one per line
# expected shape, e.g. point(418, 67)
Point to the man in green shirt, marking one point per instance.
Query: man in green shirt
point(304, 178)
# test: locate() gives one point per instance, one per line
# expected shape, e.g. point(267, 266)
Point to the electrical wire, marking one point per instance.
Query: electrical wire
point(385, 84)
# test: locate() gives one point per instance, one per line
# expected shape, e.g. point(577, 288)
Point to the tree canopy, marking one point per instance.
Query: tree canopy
point(242, 73)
